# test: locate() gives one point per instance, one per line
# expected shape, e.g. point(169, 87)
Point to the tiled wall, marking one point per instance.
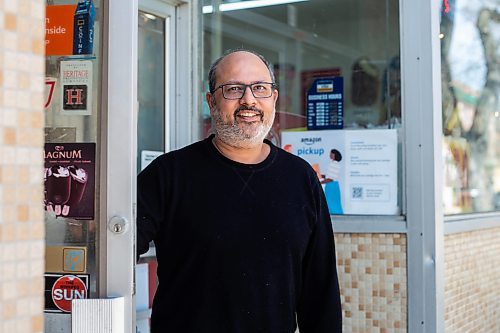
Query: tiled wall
point(472, 282)
point(21, 155)
point(372, 274)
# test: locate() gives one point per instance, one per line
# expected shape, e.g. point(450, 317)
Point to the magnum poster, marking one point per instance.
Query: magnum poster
point(69, 180)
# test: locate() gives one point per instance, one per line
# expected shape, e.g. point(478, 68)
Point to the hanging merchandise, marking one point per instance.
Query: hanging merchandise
point(391, 95)
point(364, 82)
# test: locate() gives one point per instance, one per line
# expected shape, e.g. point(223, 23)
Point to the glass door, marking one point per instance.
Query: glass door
point(73, 144)
point(154, 88)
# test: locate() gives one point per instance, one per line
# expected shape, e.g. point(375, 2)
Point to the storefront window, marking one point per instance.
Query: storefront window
point(470, 53)
point(337, 66)
point(150, 89)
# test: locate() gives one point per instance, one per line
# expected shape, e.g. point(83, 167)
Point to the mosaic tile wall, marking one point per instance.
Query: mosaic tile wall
point(21, 141)
point(472, 282)
point(372, 274)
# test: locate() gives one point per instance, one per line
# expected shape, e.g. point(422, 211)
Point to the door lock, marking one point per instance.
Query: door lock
point(118, 224)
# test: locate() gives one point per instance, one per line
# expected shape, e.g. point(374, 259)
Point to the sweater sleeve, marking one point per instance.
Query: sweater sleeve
point(319, 307)
point(150, 210)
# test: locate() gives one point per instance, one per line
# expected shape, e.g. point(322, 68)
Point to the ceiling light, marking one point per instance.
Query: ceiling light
point(226, 7)
point(149, 16)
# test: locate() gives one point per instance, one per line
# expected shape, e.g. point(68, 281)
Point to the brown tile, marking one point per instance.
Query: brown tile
point(37, 120)
point(37, 323)
point(9, 136)
point(22, 213)
point(37, 46)
point(9, 309)
point(10, 21)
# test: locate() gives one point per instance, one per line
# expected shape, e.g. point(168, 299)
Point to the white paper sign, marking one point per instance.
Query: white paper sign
point(76, 87)
point(358, 168)
point(147, 156)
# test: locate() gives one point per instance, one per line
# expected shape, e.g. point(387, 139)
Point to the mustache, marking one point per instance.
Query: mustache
point(248, 108)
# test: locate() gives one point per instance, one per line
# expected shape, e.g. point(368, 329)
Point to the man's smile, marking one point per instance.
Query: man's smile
point(249, 115)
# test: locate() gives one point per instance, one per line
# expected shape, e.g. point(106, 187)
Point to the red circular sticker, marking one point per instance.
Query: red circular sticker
point(66, 289)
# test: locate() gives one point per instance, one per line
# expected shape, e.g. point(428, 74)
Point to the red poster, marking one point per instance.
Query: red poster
point(59, 29)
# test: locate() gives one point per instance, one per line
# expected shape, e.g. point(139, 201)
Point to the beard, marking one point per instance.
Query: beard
point(241, 134)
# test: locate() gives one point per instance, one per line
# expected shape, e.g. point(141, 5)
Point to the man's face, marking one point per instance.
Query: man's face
point(242, 122)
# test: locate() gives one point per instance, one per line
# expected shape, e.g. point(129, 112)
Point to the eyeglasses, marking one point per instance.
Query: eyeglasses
point(236, 91)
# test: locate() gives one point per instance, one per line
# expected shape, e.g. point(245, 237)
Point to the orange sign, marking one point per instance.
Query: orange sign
point(59, 29)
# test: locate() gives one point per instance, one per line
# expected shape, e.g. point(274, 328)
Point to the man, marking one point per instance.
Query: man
point(242, 231)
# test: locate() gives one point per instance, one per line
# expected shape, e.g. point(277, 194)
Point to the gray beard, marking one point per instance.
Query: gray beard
point(232, 134)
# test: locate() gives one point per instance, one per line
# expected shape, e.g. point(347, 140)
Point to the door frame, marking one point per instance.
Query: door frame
point(118, 192)
point(117, 250)
point(166, 11)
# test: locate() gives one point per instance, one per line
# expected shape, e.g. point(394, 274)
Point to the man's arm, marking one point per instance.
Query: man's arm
point(319, 308)
point(149, 206)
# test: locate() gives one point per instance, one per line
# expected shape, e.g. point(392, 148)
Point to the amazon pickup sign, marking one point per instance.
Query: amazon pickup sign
point(365, 165)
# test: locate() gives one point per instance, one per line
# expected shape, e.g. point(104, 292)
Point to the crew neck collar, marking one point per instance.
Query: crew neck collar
point(266, 162)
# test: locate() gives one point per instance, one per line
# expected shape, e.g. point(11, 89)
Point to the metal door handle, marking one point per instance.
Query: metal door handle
point(118, 224)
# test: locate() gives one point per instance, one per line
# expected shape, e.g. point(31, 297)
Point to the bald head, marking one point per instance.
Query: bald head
point(230, 55)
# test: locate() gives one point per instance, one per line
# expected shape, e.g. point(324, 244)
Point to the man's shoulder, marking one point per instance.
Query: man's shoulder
point(186, 155)
point(292, 159)
point(293, 163)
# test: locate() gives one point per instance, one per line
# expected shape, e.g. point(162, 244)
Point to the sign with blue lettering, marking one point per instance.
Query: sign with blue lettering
point(357, 168)
point(325, 104)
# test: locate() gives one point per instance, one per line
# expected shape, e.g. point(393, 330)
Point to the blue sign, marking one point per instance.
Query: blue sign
point(83, 28)
point(325, 104)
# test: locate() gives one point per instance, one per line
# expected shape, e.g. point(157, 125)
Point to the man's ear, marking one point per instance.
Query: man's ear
point(210, 98)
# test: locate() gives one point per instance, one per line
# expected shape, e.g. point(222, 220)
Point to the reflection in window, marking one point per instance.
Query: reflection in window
point(307, 40)
point(150, 89)
point(347, 49)
point(470, 44)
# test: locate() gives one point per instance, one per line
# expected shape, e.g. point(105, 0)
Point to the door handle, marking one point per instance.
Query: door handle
point(118, 224)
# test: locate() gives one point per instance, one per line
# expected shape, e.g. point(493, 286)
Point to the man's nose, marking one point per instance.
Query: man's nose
point(248, 98)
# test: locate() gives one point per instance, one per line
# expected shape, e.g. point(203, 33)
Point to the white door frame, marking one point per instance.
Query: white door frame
point(117, 244)
point(166, 11)
point(121, 141)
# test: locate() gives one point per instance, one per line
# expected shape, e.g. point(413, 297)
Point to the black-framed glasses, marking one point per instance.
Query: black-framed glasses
point(237, 90)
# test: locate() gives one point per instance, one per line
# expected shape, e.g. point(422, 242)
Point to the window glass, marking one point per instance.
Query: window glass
point(150, 89)
point(73, 62)
point(470, 49)
point(348, 49)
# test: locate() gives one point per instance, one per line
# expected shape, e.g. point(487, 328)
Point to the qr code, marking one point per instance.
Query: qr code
point(357, 192)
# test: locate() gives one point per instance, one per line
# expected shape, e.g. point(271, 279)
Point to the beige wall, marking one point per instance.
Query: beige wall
point(21, 142)
point(372, 276)
point(472, 282)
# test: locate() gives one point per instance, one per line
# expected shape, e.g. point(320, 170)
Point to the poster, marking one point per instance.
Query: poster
point(147, 156)
point(59, 30)
point(61, 289)
point(325, 104)
point(69, 180)
point(76, 87)
point(357, 168)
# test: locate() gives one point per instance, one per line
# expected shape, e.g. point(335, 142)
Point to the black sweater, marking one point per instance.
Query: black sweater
point(240, 248)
